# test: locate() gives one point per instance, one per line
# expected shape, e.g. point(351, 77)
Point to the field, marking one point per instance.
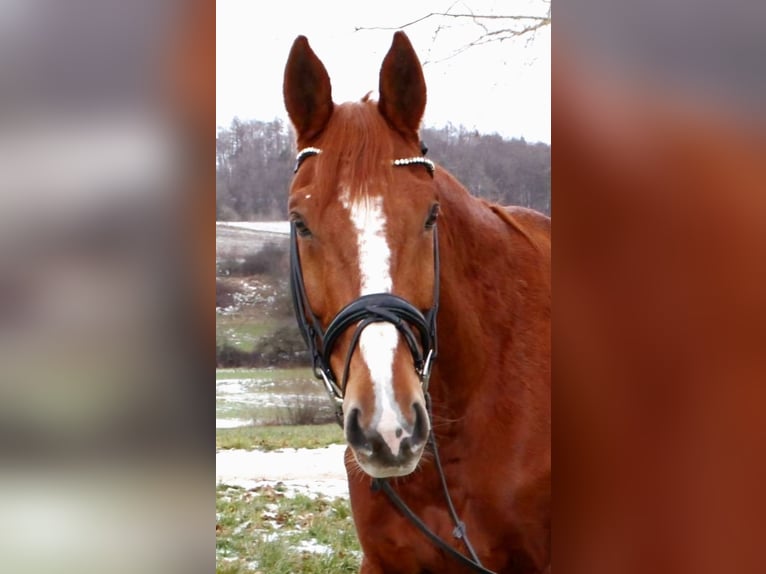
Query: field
point(281, 493)
point(267, 529)
point(281, 499)
point(274, 437)
point(251, 285)
point(269, 397)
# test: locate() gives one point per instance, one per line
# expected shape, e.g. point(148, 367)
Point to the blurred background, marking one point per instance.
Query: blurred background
point(659, 214)
point(106, 245)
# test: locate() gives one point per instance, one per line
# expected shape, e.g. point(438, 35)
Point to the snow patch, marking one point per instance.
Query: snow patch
point(281, 227)
point(318, 471)
point(232, 423)
point(313, 547)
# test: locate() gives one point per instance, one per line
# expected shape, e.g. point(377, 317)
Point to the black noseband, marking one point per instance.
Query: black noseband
point(379, 308)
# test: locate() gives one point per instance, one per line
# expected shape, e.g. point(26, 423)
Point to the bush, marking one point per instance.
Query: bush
point(228, 356)
point(305, 409)
point(284, 347)
point(224, 294)
point(270, 260)
point(283, 302)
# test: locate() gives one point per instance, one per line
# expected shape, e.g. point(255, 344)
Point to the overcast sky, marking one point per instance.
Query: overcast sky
point(499, 87)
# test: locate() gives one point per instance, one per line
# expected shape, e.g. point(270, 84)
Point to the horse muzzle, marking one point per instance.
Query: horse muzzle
point(389, 446)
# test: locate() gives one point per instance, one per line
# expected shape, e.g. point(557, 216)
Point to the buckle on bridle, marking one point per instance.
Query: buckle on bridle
point(333, 391)
point(425, 372)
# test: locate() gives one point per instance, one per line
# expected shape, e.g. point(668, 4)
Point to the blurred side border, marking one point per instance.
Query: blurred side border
point(659, 218)
point(106, 286)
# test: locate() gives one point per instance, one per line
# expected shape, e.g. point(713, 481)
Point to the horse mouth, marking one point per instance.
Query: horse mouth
point(378, 466)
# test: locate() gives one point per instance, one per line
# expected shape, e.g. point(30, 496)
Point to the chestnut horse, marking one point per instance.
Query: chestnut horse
point(372, 279)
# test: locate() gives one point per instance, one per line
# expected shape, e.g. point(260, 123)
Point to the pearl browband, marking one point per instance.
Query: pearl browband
point(421, 160)
point(303, 154)
point(309, 151)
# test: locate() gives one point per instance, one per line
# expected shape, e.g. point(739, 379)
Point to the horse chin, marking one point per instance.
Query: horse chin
point(379, 470)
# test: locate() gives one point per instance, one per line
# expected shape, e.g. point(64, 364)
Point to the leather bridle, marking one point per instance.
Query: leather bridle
point(422, 342)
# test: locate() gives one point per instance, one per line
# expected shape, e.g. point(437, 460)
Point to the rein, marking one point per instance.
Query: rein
point(458, 532)
point(422, 342)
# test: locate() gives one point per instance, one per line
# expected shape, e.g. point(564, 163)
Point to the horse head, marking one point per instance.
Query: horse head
point(363, 206)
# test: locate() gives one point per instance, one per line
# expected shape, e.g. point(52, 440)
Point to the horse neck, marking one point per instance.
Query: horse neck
point(468, 301)
point(493, 286)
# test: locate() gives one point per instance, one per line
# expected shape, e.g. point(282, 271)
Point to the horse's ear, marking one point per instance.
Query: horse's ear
point(306, 90)
point(402, 87)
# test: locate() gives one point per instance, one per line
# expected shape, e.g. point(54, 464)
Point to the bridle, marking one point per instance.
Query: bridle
point(362, 312)
point(367, 309)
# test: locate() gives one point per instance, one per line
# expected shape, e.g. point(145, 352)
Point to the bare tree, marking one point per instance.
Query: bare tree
point(254, 163)
point(489, 27)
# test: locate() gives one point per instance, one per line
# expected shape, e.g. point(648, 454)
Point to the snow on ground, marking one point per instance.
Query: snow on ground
point(232, 423)
point(313, 546)
point(269, 400)
point(306, 471)
point(253, 392)
point(282, 227)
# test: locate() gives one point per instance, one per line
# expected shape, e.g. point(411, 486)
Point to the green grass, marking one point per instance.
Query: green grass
point(275, 437)
point(275, 375)
point(264, 530)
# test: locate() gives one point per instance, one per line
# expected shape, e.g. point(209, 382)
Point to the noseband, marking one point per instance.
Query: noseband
point(362, 312)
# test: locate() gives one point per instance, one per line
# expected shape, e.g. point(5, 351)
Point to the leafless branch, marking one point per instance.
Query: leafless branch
point(542, 20)
point(494, 27)
point(495, 36)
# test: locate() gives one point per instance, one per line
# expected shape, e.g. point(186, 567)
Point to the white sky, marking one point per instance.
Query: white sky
point(500, 87)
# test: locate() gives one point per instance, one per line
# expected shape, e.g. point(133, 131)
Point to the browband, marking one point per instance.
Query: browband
point(309, 151)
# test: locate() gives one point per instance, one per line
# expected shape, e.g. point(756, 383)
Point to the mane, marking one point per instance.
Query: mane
point(356, 146)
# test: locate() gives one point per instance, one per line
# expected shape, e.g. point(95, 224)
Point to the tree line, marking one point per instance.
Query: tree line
point(254, 164)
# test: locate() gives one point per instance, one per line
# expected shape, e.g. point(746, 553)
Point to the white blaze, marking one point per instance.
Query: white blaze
point(374, 254)
point(378, 341)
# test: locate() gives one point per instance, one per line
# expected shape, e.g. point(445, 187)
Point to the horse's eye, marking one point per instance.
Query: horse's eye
point(300, 226)
point(432, 215)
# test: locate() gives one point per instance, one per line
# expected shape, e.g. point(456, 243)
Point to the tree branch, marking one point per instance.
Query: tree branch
point(511, 26)
point(540, 20)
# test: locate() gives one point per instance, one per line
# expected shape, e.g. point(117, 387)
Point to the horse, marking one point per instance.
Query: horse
point(427, 312)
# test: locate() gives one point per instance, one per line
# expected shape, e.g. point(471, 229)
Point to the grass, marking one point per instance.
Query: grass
point(264, 530)
point(267, 530)
point(275, 437)
point(272, 375)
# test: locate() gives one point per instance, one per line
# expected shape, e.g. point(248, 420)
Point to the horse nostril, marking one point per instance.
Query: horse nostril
point(354, 433)
point(406, 445)
point(421, 428)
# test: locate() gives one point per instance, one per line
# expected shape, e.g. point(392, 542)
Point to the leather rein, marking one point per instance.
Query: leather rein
point(422, 342)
